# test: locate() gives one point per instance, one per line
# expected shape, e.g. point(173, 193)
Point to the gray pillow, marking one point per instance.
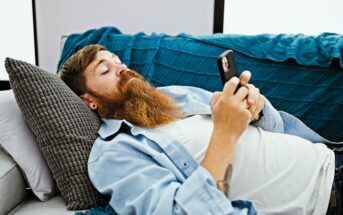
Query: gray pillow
point(18, 141)
point(65, 129)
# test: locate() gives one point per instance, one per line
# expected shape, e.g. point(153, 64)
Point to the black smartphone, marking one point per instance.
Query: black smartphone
point(227, 66)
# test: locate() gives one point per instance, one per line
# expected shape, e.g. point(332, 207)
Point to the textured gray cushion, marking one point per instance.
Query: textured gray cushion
point(18, 141)
point(12, 184)
point(65, 129)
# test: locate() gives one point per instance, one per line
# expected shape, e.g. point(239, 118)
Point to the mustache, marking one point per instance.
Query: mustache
point(127, 75)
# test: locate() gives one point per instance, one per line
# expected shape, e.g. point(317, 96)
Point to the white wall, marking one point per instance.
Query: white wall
point(17, 34)
point(63, 17)
point(283, 16)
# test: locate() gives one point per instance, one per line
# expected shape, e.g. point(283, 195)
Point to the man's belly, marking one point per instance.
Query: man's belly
point(282, 174)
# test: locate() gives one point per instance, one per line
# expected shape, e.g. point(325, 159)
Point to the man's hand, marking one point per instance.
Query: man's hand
point(230, 112)
point(254, 99)
point(230, 117)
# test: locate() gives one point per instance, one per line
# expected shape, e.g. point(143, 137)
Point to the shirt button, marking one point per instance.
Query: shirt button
point(184, 164)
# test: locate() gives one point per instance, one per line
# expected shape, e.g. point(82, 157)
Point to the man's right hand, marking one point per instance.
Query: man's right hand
point(230, 111)
point(230, 116)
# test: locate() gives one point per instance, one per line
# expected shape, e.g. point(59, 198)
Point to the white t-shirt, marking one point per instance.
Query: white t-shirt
point(280, 173)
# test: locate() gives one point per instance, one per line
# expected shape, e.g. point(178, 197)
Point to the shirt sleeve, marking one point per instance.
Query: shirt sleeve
point(271, 119)
point(141, 184)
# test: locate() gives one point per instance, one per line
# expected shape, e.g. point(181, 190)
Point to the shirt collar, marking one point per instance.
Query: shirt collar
point(110, 127)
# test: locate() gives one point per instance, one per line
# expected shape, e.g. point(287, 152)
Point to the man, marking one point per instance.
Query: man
point(184, 150)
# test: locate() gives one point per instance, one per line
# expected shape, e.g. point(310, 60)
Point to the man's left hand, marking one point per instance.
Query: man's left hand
point(255, 100)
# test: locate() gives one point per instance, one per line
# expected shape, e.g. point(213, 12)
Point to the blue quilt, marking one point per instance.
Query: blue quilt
point(300, 74)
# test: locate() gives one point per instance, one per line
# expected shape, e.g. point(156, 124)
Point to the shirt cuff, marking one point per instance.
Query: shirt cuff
point(271, 119)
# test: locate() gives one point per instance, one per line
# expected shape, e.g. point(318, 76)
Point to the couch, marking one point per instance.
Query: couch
point(16, 199)
point(300, 74)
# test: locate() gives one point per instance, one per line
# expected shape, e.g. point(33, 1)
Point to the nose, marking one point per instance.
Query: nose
point(121, 70)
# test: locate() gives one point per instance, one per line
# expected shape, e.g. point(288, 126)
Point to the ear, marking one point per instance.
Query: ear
point(89, 101)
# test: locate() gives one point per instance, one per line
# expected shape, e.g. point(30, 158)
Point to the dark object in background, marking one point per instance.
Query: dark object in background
point(5, 85)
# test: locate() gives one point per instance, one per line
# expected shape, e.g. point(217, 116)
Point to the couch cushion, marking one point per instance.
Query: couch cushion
point(65, 129)
point(18, 141)
point(32, 206)
point(12, 184)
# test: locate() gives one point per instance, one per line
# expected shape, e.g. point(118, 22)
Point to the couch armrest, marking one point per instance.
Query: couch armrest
point(12, 184)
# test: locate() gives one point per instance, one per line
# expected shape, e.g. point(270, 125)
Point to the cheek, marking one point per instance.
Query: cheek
point(110, 89)
point(106, 85)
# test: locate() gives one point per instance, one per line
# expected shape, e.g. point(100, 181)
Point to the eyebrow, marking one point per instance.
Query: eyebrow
point(103, 60)
point(100, 62)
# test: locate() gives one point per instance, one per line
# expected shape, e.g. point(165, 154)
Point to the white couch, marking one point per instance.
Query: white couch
point(17, 199)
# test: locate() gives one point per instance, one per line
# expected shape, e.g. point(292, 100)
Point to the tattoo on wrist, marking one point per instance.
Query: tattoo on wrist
point(224, 185)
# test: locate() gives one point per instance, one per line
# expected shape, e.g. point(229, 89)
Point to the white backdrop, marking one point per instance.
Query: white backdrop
point(17, 32)
point(283, 16)
point(63, 17)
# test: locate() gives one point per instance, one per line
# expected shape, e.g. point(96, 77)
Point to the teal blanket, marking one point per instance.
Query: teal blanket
point(302, 75)
point(319, 50)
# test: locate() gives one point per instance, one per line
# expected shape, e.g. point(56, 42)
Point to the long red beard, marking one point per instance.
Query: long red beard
point(142, 104)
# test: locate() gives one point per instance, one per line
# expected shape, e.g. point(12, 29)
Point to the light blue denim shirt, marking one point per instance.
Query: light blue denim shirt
point(148, 172)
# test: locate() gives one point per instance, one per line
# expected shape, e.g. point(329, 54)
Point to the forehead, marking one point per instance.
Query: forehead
point(101, 56)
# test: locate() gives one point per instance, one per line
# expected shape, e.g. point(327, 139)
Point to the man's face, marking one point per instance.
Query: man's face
point(105, 76)
point(121, 93)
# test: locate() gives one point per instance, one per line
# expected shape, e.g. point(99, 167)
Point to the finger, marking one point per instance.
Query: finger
point(250, 115)
point(254, 94)
point(245, 77)
point(252, 109)
point(251, 101)
point(242, 93)
point(245, 104)
point(230, 86)
point(261, 104)
point(253, 98)
point(255, 114)
point(259, 107)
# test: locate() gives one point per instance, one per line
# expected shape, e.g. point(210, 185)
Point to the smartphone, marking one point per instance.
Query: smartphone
point(227, 66)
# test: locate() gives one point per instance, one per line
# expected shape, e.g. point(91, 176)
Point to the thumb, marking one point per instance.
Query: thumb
point(245, 77)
